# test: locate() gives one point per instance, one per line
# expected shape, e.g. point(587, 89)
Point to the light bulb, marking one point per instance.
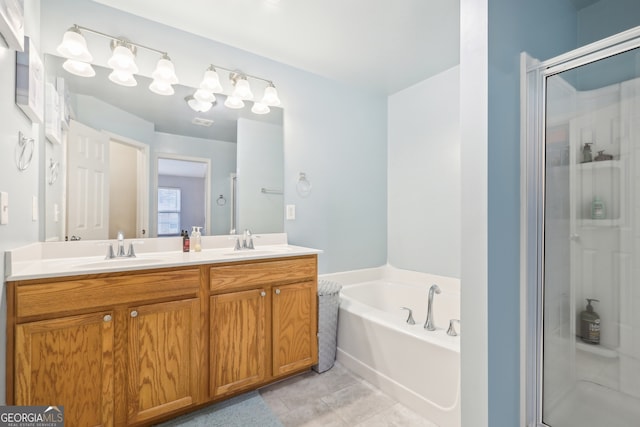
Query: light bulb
point(165, 70)
point(233, 102)
point(243, 90)
point(270, 97)
point(211, 81)
point(201, 107)
point(161, 87)
point(123, 59)
point(204, 96)
point(79, 68)
point(74, 46)
point(122, 78)
point(260, 108)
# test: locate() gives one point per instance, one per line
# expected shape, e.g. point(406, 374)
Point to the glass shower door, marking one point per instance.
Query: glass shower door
point(591, 286)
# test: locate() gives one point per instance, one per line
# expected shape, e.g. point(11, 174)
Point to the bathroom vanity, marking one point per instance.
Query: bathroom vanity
point(136, 343)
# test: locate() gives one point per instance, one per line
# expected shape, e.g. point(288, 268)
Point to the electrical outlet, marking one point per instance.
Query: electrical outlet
point(291, 212)
point(4, 208)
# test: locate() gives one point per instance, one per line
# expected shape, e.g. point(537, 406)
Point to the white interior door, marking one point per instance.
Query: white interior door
point(88, 182)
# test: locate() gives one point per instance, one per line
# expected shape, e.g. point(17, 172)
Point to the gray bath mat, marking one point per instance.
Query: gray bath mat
point(246, 410)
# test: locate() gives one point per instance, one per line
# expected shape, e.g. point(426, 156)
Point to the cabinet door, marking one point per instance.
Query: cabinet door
point(162, 347)
point(67, 362)
point(295, 343)
point(237, 341)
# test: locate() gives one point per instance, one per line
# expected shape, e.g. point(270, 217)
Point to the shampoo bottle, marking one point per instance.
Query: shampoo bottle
point(590, 324)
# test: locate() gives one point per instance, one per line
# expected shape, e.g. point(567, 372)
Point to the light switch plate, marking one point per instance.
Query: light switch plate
point(291, 212)
point(4, 208)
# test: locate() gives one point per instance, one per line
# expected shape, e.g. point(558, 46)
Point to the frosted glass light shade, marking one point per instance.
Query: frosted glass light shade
point(74, 46)
point(200, 107)
point(79, 68)
point(165, 71)
point(233, 102)
point(243, 90)
point(204, 96)
point(123, 59)
point(260, 108)
point(211, 81)
point(270, 97)
point(122, 78)
point(161, 87)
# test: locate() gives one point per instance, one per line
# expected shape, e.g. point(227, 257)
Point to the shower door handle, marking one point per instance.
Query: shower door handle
point(574, 237)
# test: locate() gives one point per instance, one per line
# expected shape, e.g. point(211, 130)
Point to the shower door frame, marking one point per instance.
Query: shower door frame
point(533, 88)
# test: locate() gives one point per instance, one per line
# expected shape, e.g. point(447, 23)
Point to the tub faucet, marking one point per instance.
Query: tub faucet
point(428, 325)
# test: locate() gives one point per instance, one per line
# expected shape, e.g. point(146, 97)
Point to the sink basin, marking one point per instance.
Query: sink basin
point(119, 262)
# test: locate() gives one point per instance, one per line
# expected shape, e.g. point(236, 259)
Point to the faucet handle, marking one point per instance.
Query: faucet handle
point(237, 247)
point(110, 254)
point(452, 330)
point(131, 253)
point(410, 317)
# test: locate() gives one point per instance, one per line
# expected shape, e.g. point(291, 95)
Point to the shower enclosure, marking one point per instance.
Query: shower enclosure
point(581, 235)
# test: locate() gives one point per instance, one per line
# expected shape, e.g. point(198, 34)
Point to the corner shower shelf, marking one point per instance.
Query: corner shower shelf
point(596, 349)
point(603, 179)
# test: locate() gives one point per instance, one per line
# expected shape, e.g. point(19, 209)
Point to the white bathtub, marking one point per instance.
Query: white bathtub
point(419, 368)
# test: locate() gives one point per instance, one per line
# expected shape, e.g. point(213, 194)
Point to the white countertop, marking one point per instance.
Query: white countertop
point(58, 259)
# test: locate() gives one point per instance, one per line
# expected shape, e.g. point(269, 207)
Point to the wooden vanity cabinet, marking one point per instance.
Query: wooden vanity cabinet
point(134, 348)
point(116, 350)
point(67, 361)
point(263, 322)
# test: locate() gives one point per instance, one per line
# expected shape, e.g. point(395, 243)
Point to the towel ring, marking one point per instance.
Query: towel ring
point(304, 185)
point(24, 152)
point(54, 169)
point(221, 201)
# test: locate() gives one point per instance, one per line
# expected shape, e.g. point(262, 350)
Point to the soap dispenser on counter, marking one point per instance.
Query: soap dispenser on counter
point(196, 239)
point(590, 324)
point(587, 155)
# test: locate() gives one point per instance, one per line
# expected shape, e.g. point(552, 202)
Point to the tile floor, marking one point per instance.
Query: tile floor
point(336, 398)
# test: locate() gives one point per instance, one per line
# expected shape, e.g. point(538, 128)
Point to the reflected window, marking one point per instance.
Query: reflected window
point(169, 207)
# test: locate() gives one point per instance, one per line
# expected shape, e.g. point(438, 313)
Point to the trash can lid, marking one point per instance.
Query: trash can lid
point(326, 287)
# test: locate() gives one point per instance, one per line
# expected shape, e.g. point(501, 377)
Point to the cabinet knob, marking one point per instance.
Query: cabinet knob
point(263, 294)
point(107, 318)
point(277, 291)
point(134, 313)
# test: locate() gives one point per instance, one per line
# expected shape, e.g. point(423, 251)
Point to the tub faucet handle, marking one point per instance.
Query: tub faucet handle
point(410, 317)
point(452, 330)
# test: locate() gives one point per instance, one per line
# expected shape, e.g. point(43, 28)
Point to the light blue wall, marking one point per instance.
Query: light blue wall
point(424, 176)
point(543, 29)
point(21, 186)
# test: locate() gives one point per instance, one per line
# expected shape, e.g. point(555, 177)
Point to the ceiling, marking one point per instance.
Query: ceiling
point(378, 45)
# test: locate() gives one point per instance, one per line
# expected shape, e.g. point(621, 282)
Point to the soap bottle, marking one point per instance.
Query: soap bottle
point(590, 324)
point(597, 209)
point(196, 241)
point(586, 153)
point(185, 241)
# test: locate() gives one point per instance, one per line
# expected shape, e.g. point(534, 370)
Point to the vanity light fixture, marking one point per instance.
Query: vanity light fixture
point(241, 90)
point(122, 60)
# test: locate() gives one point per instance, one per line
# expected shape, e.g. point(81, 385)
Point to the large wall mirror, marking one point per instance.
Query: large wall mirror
point(225, 166)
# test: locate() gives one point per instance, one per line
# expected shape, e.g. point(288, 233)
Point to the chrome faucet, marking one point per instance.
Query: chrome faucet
point(120, 253)
point(428, 325)
point(248, 240)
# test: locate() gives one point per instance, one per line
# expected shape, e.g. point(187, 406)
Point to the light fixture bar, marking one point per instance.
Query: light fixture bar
point(129, 42)
point(241, 73)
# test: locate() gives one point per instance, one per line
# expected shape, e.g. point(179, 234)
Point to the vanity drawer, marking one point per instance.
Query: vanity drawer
point(44, 298)
point(230, 277)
